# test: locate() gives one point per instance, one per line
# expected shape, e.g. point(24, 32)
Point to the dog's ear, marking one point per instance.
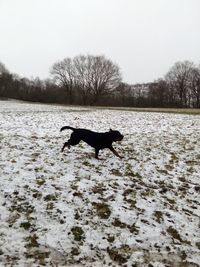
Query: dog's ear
point(111, 130)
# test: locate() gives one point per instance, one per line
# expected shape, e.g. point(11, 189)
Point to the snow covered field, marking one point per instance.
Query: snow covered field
point(69, 209)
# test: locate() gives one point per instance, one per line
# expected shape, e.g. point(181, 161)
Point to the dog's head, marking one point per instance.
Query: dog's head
point(116, 135)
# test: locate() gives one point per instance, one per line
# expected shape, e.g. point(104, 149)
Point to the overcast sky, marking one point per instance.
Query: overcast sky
point(144, 37)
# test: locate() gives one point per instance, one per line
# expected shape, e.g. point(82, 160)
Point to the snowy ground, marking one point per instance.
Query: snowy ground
point(72, 210)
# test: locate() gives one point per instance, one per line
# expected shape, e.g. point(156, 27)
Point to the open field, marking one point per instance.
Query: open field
point(189, 111)
point(73, 210)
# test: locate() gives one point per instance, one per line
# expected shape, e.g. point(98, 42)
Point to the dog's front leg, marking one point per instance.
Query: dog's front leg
point(115, 152)
point(65, 144)
point(96, 153)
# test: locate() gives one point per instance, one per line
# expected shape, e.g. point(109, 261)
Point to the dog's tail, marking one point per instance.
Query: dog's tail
point(67, 127)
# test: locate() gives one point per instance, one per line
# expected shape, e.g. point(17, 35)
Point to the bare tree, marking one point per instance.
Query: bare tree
point(158, 94)
point(178, 79)
point(195, 87)
point(104, 76)
point(64, 74)
point(5, 81)
point(93, 76)
point(124, 96)
point(3, 69)
point(82, 77)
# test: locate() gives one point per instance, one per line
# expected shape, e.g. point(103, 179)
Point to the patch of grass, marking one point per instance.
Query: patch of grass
point(26, 225)
point(13, 218)
point(116, 172)
point(98, 189)
point(78, 194)
point(198, 245)
point(169, 167)
point(174, 233)
point(103, 210)
point(50, 197)
point(182, 179)
point(171, 201)
point(128, 192)
point(132, 202)
point(158, 216)
point(188, 111)
point(50, 206)
point(78, 233)
point(130, 197)
point(37, 194)
point(40, 181)
point(188, 212)
point(87, 163)
point(197, 188)
point(164, 172)
point(75, 251)
point(118, 223)
point(134, 229)
point(74, 187)
point(38, 255)
point(129, 172)
point(77, 215)
point(183, 255)
point(116, 256)
point(173, 159)
point(148, 193)
point(32, 241)
point(22, 207)
point(111, 238)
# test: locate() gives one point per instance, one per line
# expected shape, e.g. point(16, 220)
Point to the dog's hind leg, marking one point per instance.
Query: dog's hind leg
point(71, 142)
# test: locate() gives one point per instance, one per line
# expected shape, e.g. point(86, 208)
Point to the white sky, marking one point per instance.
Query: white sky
point(144, 37)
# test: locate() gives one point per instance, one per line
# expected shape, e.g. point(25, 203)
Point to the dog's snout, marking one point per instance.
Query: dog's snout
point(120, 137)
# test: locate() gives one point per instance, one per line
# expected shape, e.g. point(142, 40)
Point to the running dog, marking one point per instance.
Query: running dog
point(94, 139)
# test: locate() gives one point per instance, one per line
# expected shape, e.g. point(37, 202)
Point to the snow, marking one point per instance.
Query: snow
point(69, 209)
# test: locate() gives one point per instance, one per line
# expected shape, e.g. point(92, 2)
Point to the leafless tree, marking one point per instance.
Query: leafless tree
point(178, 78)
point(82, 68)
point(94, 76)
point(158, 94)
point(3, 69)
point(5, 81)
point(195, 87)
point(64, 74)
point(104, 76)
point(124, 96)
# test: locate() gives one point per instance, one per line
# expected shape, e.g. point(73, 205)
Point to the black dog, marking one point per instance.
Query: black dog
point(97, 140)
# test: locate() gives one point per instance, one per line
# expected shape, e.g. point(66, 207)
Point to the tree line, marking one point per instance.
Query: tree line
point(96, 80)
